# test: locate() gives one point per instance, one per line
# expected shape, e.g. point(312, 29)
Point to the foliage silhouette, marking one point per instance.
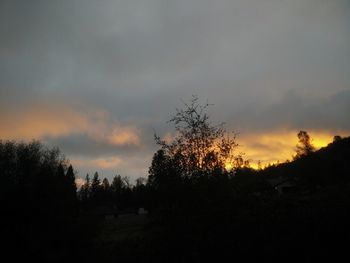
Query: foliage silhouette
point(196, 217)
point(183, 169)
point(39, 204)
point(199, 147)
point(305, 146)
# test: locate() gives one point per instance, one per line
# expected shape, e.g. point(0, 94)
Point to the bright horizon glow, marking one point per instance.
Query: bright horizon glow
point(278, 147)
point(228, 166)
point(268, 147)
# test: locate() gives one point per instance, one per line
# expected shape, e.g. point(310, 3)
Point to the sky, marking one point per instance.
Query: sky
point(99, 78)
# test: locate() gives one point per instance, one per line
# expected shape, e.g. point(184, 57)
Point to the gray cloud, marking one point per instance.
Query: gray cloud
point(263, 64)
point(296, 111)
point(83, 145)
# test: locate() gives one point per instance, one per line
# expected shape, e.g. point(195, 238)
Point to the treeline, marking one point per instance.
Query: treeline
point(313, 169)
point(120, 194)
point(193, 216)
point(211, 205)
point(36, 181)
point(39, 206)
point(242, 214)
point(204, 201)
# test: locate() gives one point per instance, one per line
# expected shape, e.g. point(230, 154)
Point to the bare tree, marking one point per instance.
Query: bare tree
point(199, 146)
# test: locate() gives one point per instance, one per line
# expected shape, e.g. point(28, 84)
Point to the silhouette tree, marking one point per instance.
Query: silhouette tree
point(106, 191)
point(71, 178)
point(84, 192)
point(161, 170)
point(140, 192)
point(35, 176)
point(96, 188)
point(117, 184)
point(304, 147)
point(60, 171)
point(71, 190)
point(120, 190)
point(337, 138)
point(38, 200)
point(199, 147)
point(105, 185)
point(141, 181)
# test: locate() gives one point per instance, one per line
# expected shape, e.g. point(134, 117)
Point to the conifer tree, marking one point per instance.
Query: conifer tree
point(304, 147)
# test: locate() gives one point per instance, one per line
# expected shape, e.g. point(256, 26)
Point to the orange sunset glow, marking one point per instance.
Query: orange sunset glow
point(42, 121)
point(274, 147)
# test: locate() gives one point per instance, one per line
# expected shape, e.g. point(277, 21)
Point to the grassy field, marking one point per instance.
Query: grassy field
point(127, 238)
point(124, 227)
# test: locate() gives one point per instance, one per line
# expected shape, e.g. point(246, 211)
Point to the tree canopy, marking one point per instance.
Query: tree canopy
point(304, 147)
point(198, 148)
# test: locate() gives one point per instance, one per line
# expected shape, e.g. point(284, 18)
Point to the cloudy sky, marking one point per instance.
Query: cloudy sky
point(97, 78)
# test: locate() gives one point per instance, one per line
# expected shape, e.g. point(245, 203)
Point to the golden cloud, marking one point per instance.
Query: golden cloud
point(124, 136)
point(37, 121)
point(101, 163)
point(106, 163)
point(42, 119)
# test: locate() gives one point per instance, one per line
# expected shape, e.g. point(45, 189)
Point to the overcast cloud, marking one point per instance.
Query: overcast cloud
point(97, 78)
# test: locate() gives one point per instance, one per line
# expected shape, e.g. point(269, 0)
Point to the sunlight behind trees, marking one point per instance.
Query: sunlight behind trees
point(199, 147)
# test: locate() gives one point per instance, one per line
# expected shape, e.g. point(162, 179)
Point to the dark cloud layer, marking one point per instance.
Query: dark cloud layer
point(264, 64)
point(297, 111)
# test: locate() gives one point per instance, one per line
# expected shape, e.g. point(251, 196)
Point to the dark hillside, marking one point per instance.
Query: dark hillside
point(325, 167)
